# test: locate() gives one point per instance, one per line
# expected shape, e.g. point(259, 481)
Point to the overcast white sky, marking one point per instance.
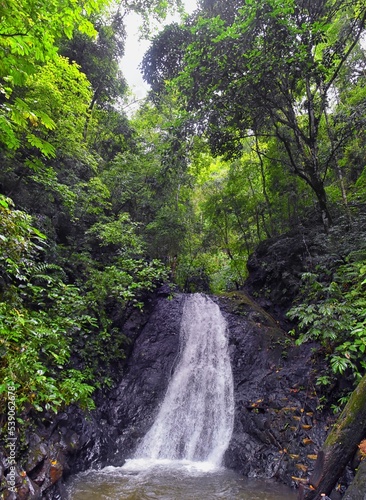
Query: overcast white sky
point(135, 50)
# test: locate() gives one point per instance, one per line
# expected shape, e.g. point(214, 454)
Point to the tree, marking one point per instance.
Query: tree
point(269, 68)
point(340, 445)
point(38, 312)
point(99, 58)
point(28, 38)
point(165, 58)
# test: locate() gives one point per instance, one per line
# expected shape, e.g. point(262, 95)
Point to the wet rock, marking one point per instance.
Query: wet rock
point(357, 489)
point(27, 489)
point(277, 426)
point(38, 452)
point(16, 485)
point(146, 378)
point(56, 471)
point(276, 266)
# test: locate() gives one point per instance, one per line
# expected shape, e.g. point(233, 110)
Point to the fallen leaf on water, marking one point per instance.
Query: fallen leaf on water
point(312, 457)
point(306, 427)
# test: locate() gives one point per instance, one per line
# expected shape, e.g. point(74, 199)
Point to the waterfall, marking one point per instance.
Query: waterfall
point(195, 420)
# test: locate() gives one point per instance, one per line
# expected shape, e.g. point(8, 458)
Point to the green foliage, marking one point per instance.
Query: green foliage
point(38, 315)
point(29, 31)
point(121, 233)
point(47, 324)
point(35, 349)
point(332, 311)
point(15, 238)
point(98, 57)
point(268, 69)
point(122, 283)
point(59, 90)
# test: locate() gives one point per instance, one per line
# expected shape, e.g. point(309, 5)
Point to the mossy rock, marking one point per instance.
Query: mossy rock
point(242, 304)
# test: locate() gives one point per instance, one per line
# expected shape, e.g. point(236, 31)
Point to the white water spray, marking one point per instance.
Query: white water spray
point(195, 420)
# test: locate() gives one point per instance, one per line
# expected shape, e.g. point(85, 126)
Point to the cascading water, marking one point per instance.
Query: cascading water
point(180, 456)
point(195, 421)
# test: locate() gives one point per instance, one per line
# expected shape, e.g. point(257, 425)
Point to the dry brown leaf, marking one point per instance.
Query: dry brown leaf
point(307, 441)
point(362, 447)
point(301, 467)
point(299, 479)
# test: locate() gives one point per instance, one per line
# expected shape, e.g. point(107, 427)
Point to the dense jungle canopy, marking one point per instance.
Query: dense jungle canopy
point(254, 126)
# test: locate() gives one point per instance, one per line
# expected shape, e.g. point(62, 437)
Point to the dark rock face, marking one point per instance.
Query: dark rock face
point(134, 404)
point(276, 266)
point(278, 428)
point(277, 425)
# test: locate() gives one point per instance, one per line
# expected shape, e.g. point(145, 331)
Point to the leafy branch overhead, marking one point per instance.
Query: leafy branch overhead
point(267, 69)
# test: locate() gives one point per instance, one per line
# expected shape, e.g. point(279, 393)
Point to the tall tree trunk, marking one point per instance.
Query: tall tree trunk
point(318, 188)
point(264, 187)
point(338, 168)
point(340, 445)
point(307, 168)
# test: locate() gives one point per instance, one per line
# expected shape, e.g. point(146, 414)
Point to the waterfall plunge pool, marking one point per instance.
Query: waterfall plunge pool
point(163, 479)
point(180, 456)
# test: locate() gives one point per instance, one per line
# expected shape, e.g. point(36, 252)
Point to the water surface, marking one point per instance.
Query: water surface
point(172, 480)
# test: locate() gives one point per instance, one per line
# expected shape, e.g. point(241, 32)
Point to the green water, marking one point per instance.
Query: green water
point(169, 480)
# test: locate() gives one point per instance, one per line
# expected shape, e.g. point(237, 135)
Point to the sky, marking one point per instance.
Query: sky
point(135, 50)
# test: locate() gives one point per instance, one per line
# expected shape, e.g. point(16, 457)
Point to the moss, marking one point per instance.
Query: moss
point(352, 418)
point(240, 303)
